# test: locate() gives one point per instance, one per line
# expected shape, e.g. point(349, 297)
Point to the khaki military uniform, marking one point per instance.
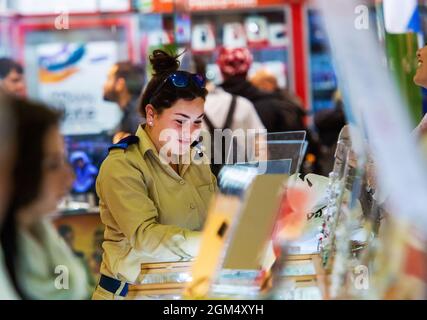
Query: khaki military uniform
point(151, 213)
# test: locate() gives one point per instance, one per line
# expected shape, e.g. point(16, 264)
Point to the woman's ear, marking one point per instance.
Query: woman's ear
point(150, 112)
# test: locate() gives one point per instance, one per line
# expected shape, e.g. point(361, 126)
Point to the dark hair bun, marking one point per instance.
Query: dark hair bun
point(163, 63)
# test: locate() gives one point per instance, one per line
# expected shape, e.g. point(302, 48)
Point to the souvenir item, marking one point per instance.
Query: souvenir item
point(203, 37)
point(277, 35)
point(234, 35)
point(257, 30)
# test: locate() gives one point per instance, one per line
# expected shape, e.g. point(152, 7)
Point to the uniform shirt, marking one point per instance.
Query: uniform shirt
point(151, 213)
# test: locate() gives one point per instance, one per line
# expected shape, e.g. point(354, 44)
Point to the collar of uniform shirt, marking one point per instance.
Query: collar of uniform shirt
point(145, 143)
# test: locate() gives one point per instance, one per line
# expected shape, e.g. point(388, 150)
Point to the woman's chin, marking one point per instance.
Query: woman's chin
point(420, 80)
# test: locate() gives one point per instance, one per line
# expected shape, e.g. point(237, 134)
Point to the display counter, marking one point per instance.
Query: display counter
point(303, 277)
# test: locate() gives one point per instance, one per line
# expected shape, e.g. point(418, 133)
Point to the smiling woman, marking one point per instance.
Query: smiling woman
point(153, 203)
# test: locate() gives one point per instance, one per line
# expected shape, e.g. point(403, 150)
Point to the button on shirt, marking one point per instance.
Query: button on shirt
point(151, 213)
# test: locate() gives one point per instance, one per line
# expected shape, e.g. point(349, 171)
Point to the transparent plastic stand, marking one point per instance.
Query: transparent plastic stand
point(271, 154)
point(335, 191)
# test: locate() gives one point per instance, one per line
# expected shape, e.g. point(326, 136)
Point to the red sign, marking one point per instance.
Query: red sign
point(162, 6)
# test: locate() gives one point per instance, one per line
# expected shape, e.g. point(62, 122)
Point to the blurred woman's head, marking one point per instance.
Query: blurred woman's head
point(41, 176)
point(420, 77)
point(173, 104)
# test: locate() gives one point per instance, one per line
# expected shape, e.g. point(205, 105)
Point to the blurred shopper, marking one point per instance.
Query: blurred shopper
point(234, 65)
point(67, 233)
point(123, 86)
point(7, 291)
point(291, 106)
point(12, 77)
point(264, 80)
point(84, 171)
point(154, 187)
point(329, 123)
point(294, 112)
point(226, 111)
point(38, 261)
point(95, 259)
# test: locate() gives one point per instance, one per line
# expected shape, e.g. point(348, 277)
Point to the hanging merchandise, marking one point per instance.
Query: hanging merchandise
point(203, 38)
point(234, 35)
point(182, 28)
point(158, 38)
point(256, 30)
point(277, 35)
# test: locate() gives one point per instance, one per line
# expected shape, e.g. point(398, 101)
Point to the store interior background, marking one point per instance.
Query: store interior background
point(99, 33)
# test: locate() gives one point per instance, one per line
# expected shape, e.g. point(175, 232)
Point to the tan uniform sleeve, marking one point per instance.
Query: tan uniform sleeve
point(122, 189)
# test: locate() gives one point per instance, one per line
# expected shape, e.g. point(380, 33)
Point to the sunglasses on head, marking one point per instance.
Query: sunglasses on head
point(182, 79)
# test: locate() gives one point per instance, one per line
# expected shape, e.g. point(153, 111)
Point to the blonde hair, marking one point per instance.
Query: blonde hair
point(264, 80)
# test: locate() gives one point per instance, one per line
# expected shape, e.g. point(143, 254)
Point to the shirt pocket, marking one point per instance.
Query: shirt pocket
point(205, 193)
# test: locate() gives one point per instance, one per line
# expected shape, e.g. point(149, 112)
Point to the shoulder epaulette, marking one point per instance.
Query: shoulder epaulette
point(124, 143)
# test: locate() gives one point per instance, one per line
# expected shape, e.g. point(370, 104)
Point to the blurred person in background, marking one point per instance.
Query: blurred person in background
point(234, 65)
point(95, 259)
point(265, 80)
point(294, 112)
point(329, 123)
point(291, 106)
point(12, 77)
point(7, 154)
point(85, 172)
point(123, 86)
point(226, 111)
point(32, 247)
point(67, 233)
